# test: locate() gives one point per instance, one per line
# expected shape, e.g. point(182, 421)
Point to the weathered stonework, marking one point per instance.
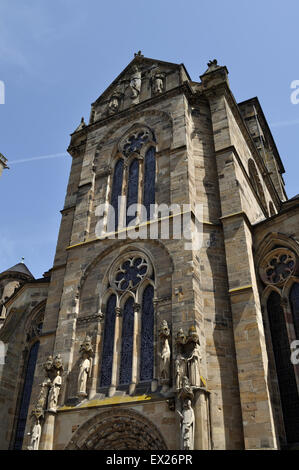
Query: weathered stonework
point(211, 152)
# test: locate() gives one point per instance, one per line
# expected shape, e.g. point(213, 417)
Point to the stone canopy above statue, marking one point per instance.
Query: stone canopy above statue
point(141, 80)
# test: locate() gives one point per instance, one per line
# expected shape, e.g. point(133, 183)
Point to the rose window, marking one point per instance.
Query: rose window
point(278, 266)
point(129, 274)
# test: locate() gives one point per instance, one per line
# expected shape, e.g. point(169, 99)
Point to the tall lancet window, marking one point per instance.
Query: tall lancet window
point(128, 347)
point(125, 375)
point(26, 394)
point(136, 163)
point(108, 345)
point(149, 181)
point(284, 368)
point(115, 194)
point(294, 298)
point(147, 335)
point(132, 194)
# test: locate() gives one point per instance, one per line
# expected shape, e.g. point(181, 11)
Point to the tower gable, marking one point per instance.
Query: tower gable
point(141, 80)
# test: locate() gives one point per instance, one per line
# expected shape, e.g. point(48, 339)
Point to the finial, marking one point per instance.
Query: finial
point(138, 54)
point(22, 259)
point(212, 63)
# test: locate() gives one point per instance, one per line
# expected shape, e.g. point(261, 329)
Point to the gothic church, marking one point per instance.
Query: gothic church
point(136, 342)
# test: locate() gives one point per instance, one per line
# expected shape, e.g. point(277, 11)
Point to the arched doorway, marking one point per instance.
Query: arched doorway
point(117, 430)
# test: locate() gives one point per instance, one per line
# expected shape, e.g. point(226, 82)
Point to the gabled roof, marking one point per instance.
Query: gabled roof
point(141, 60)
point(19, 268)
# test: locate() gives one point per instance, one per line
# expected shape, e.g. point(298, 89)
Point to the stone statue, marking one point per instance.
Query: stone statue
point(35, 436)
point(187, 426)
point(194, 359)
point(86, 352)
point(115, 99)
point(54, 392)
point(135, 82)
point(180, 370)
point(84, 372)
point(48, 364)
point(157, 80)
point(43, 394)
point(57, 363)
point(165, 354)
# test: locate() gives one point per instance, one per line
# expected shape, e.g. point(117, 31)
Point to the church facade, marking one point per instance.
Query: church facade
point(169, 317)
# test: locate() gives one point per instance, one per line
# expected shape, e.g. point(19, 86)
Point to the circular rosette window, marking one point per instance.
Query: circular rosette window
point(278, 266)
point(130, 271)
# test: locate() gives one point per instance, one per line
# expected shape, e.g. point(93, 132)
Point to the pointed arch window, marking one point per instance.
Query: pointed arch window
point(131, 277)
point(284, 368)
point(147, 335)
point(26, 394)
point(108, 345)
point(294, 299)
point(125, 376)
point(149, 181)
point(132, 192)
point(116, 193)
point(137, 153)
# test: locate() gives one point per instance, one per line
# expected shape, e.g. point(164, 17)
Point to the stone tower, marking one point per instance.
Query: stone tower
point(153, 334)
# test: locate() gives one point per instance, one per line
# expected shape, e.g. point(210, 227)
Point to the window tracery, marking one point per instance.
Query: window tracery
point(136, 163)
point(278, 266)
point(131, 286)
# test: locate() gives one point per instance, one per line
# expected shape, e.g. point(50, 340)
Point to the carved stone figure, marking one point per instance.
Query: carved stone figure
point(84, 372)
point(187, 426)
point(115, 100)
point(54, 392)
point(135, 82)
point(180, 370)
point(180, 337)
point(43, 394)
point(193, 361)
point(186, 391)
point(35, 436)
point(165, 353)
point(86, 352)
point(157, 80)
point(57, 363)
point(48, 364)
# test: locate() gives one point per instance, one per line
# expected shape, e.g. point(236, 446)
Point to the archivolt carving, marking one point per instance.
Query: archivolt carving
point(119, 429)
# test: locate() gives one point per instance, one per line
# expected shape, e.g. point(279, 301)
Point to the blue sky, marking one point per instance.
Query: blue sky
point(57, 57)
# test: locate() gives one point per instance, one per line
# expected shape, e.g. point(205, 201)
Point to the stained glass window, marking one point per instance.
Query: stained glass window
point(284, 368)
point(135, 142)
point(130, 273)
point(294, 298)
point(147, 335)
point(26, 394)
point(132, 194)
point(116, 192)
point(149, 180)
point(127, 343)
point(107, 354)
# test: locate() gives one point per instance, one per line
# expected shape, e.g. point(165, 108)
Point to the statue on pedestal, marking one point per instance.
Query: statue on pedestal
point(164, 374)
point(86, 352)
point(35, 436)
point(194, 359)
point(187, 426)
point(54, 392)
point(135, 82)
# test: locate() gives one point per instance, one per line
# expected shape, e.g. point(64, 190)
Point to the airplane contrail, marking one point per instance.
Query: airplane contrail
point(42, 157)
